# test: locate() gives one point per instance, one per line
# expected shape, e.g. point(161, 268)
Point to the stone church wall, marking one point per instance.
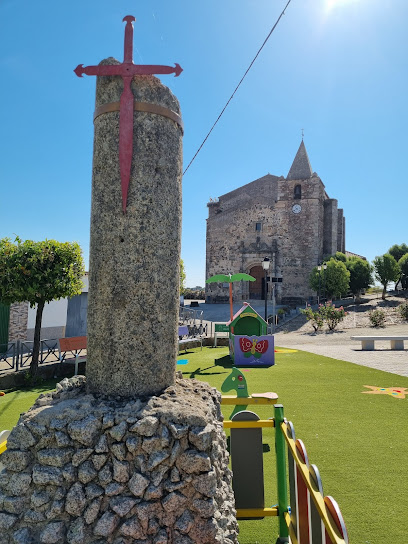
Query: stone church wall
point(330, 227)
point(291, 221)
point(341, 234)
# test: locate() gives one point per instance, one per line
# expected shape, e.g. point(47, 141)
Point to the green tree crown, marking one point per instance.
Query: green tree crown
point(360, 274)
point(403, 264)
point(39, 272)
point(336, 278)
point(398, 251)
point(386, 270)
point(182, 277)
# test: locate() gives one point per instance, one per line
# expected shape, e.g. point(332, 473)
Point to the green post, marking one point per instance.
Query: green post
point(280, 450)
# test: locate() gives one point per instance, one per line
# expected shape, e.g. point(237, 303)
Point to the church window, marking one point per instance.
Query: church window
point(258, 226)
point(297, 193)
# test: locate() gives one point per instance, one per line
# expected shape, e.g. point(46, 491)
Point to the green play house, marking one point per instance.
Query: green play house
point(248, 322)
point(249, 342)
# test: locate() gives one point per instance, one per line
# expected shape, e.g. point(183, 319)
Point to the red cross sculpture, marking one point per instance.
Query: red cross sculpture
point(127, 70)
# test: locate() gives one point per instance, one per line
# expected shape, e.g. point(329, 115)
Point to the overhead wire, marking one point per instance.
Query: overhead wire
point(237, 87)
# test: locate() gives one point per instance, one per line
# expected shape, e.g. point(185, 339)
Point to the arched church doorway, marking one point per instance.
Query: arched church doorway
point(257, 287)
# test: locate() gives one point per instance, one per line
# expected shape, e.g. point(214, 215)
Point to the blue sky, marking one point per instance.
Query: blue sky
point(336, 68)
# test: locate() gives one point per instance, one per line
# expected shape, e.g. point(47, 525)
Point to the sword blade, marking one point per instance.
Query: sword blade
point(125, 138)
point(150, 69)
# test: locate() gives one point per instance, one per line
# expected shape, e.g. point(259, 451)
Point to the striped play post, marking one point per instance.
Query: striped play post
point(280, 451)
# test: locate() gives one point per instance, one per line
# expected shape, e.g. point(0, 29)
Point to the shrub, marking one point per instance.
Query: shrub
point(314, 317)
point(332, 315)
point(194, 294)
point(377, 318)
point(403, 310)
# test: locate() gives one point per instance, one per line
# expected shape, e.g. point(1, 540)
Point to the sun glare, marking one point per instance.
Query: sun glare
point(332, 4)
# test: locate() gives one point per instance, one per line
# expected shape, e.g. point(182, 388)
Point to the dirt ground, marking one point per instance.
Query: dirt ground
point(357, 315)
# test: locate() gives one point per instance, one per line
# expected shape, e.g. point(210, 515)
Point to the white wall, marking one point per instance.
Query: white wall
point(55, 312)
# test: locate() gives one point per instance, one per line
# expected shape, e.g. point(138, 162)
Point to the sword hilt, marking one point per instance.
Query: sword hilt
point(128, 49)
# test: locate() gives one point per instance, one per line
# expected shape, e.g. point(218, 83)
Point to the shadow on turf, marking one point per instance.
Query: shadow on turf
point(225, 362)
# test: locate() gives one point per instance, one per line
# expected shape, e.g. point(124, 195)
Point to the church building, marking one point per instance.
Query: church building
point(291, 221)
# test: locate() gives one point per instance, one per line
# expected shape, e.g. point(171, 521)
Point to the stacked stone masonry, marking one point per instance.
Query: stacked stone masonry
point(84, 469)
point(18, 321)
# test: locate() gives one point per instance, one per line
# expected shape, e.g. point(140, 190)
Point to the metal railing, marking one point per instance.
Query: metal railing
point(18, 354)
point(189, 316)
point(9, 356)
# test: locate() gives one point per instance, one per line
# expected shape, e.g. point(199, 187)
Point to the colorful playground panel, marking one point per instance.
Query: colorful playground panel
point(396, 392)
point(254, 350)
point(182, 362)
point(249, 343)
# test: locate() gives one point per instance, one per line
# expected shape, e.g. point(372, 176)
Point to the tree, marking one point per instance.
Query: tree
point(403, 264)
point(230, 278)
point(39, 272)
point(182, 277)
point(398, 251)
point(339, 256)
point(386, 270)
point(360, 275)
point(336, 278)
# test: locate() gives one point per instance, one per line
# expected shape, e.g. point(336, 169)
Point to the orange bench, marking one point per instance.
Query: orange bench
point(75, 345)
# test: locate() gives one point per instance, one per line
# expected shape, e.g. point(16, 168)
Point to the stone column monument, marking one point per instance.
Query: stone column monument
point(135, 254)
point(130, 454)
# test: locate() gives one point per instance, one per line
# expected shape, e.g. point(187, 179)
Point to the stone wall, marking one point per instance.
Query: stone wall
point(293, 242)
point(341, 232)
point(330, 226)
point(84, 469)
point(18, 321)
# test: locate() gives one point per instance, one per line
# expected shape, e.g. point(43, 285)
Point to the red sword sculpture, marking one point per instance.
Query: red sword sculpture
point(127, 70)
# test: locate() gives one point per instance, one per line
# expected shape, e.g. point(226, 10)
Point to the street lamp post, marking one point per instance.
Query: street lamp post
point(319, 268)
point(265, 265)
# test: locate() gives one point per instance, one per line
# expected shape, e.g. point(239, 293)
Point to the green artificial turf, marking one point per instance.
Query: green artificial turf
point(18, 401)
point(358, 441)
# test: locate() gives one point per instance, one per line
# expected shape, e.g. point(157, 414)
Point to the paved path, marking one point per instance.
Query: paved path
point(338, 345)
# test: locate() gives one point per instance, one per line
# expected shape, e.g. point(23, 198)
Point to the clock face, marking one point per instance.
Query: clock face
point(296, 208)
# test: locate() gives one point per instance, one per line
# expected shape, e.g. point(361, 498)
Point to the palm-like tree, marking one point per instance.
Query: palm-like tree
point(229, 278)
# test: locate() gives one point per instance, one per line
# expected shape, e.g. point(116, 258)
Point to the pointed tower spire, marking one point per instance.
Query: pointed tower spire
point(300, 168)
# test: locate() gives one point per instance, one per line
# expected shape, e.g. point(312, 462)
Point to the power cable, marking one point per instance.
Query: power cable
point(237, 87)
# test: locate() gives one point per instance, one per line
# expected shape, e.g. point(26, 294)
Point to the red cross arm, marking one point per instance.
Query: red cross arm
point(126, 69)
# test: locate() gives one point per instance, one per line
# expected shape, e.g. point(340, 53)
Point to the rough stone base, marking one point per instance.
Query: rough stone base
point(87, 470)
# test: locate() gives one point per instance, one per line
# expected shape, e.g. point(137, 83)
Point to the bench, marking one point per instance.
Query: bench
point(75, 345)
point(186, 339)
point(367, 342)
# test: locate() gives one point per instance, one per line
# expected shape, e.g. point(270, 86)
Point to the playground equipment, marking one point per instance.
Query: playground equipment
point(230, 278)
point(305, 515)
point(309, 517)
point(249, 343)
point(236, 381)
